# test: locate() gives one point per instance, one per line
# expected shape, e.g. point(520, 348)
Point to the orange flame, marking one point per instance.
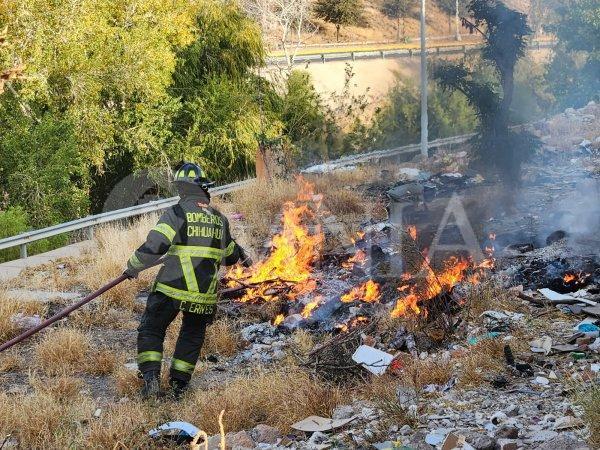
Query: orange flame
point(359, 258)
point(569, 277)
point(293, 251)
point(434, 284)
point(367, 292)
point(309, 307)
point(412, 232)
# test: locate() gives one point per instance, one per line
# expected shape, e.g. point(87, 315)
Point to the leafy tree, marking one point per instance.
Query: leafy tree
point(340, 13)
point(397, 9)
point(504, 31)
point(574, 73)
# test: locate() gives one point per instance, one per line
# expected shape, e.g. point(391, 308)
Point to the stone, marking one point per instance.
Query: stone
point(265, 434)
point(568, 422)
point(507, 432)
point(479, 441)
point(513, 411)
point(318, 438)
point(507, 444)
point(239, 439)
point(343, 412)
point(541, 436)
point(406, 430)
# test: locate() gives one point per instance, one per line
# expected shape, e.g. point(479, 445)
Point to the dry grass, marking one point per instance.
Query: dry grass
point(481, 361)
point(10, 362)
point(127, 382)
point(124, 426)
point(115, 245)
point(488, 295)
point(103, 315)
point(261, 205)
point(222, 338)
point(102, 362)
point(9, 307)
point(589, 399)
point(62, 351)
point(278, 398)
point(39, 421)
point(63, 388)
point(382, 391)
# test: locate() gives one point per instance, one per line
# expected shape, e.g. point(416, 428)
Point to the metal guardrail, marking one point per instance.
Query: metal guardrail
point(88, 223)
point(324, 57)
point(378, 154)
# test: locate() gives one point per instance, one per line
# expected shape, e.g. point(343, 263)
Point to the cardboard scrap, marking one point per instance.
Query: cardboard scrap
point(541, 345)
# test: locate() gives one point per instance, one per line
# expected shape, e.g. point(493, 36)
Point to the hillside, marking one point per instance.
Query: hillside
point(377, 27)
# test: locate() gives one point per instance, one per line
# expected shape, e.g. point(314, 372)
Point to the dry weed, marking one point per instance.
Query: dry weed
point(127, 382)
point(39, 421)
point(102, 362)
point(62, 351)
point(261, 205)
point(278, 398)
point(116, 243)
point(10, 308)
point(481, 361)
point(124, 425)
point(10, 362)
point(63, 388)
point(488, 295)
point(222, 338)
point(589, 399)
point(382, 391)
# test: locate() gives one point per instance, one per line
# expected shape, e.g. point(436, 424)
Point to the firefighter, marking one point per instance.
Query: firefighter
point(196, 240)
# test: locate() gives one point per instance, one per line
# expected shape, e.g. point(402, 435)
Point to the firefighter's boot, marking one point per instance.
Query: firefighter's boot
point(178, 388)
point(151, 386)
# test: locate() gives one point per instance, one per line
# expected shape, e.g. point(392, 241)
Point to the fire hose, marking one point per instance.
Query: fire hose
point(65, 312)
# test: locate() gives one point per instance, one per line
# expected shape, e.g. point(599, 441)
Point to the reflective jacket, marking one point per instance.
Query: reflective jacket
point(196, 239)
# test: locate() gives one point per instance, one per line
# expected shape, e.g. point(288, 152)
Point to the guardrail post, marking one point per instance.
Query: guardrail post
point(465, 49)
point(23, 248)
point(381, 53)
point(90, 232)
point(323, 58)
point(437, 50)
point(410, 52)
point(352, 56)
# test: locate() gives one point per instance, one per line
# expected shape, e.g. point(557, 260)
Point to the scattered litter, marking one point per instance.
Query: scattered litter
point(595, 368)
point(315, 423)
point(475, 339)
point(542, 381)
point(98, 413)
point(436, 437)
point(555, 297)
point(500, 320)
point(179, 431)
point(541, 345)
point(372, 359)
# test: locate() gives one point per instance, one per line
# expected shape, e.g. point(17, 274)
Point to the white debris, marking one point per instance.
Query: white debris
point(372, 359)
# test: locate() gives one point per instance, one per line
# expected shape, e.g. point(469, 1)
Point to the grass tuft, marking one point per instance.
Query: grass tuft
point(63, 351)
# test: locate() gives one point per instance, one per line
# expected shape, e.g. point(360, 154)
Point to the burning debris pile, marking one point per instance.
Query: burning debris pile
point(347, 293)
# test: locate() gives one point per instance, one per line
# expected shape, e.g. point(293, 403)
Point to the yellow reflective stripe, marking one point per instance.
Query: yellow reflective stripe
point(135, 262)
point(166, 230)
point(143, 357)
point(182, 366)
point(229, 249)
point(188, 273)
point(195, 251)
point(213, 284)
point(185, 296)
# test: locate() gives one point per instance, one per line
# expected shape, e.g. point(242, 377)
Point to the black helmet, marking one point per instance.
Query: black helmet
point(191, 173)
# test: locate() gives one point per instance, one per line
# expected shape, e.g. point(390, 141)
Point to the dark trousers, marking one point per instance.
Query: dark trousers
point(160, 312)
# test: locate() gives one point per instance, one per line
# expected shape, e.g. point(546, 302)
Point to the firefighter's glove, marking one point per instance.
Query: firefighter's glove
point(131, 273)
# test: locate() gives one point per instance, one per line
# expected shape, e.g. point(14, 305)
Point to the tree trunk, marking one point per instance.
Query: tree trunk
point(398, 29)
point(507, 81)
point(337, 32)
point(457, 20)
